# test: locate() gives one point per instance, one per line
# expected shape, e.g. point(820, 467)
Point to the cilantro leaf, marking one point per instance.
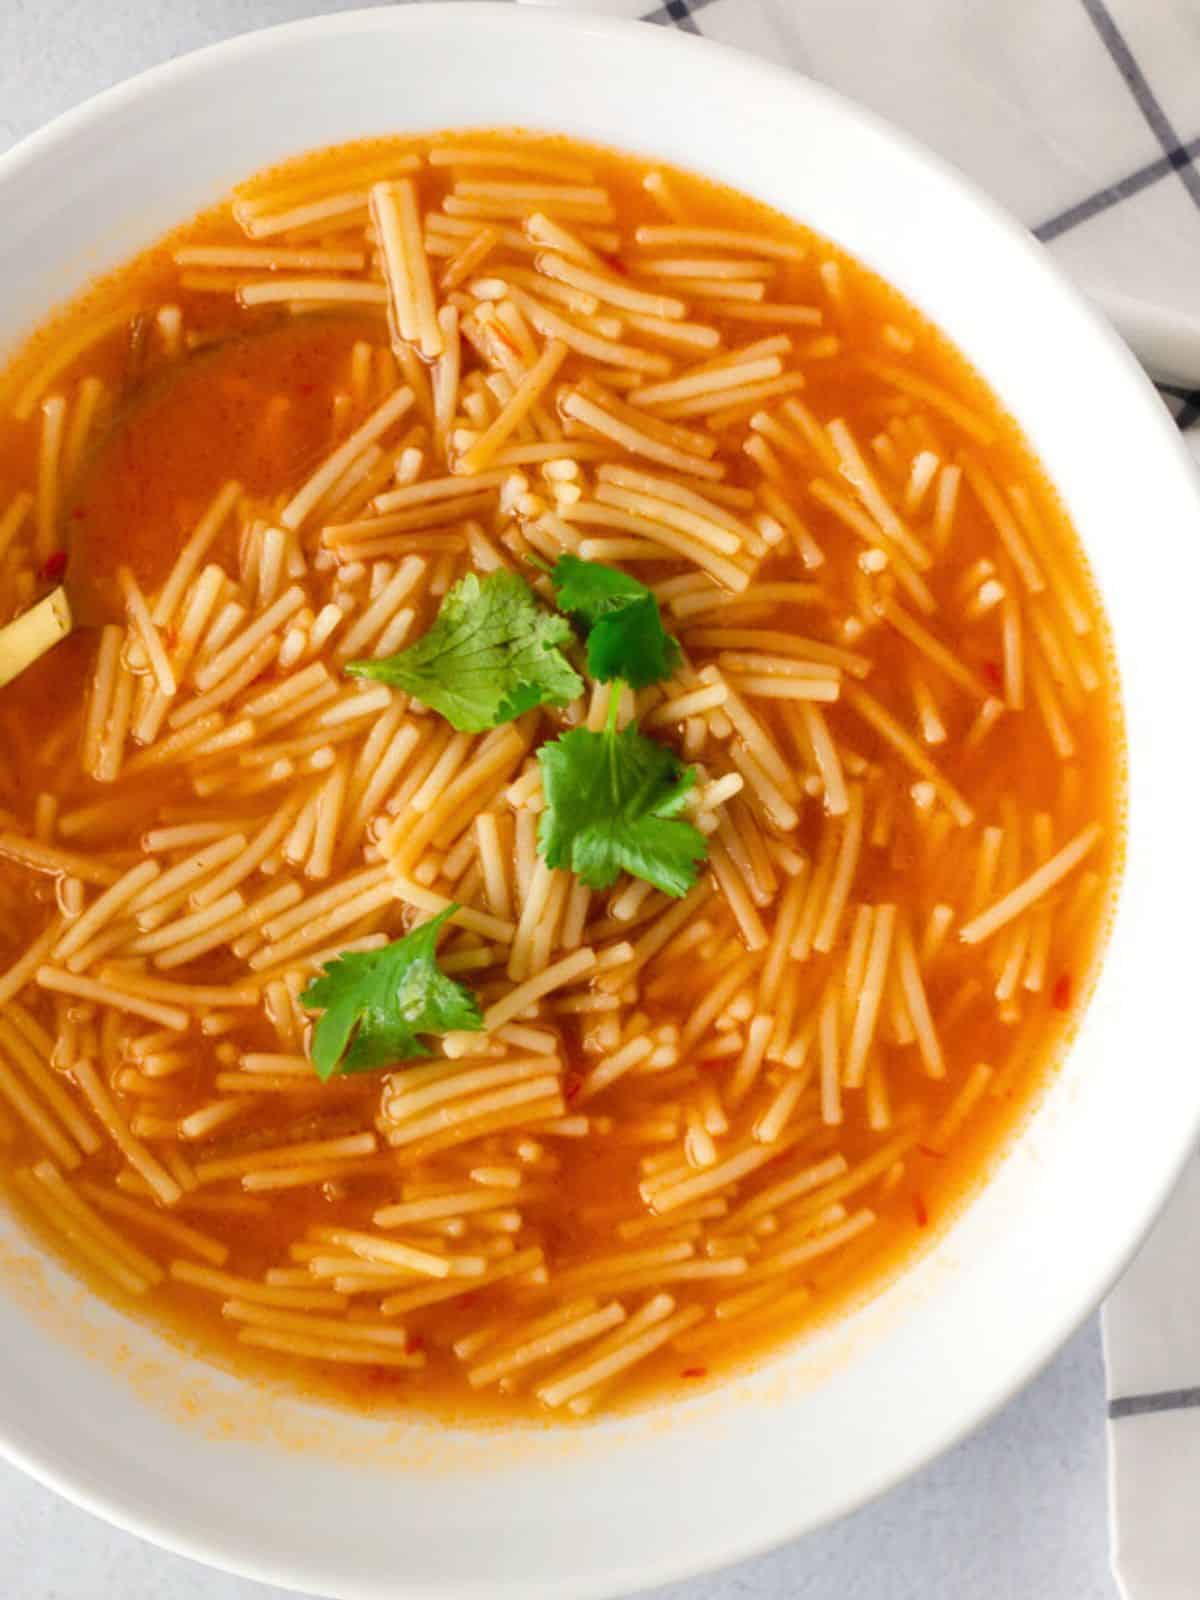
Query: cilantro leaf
point(625, 635)
point(492, 653)
point(612, 805)
point(374, 1003)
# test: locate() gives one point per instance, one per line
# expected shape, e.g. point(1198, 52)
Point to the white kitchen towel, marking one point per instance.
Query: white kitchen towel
point(1083, 118)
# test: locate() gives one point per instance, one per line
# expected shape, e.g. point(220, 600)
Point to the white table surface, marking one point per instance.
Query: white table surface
point(1016, 1511)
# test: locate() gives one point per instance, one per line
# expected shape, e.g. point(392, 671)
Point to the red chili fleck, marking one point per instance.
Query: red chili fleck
point(920, 1211)
point(54, 566)
point(994, 676)
point(467, 1302)
point(415, 1346)
point(77, 512)
point(934, 1155)
point(618, 266)
point(308, 388)
point(694, 1372)
point(1060, 997)
point(572, 1084)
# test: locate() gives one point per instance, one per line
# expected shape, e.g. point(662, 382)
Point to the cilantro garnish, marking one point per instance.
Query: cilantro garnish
point(613, 799)
point(612, 805)
point(625, 635)
point(492, 653)
point(375, 1003)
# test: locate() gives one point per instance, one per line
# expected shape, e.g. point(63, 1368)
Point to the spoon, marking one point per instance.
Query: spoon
point(213, 402)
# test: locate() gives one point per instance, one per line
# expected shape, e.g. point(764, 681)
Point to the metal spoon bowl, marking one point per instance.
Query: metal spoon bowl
point(177, 436)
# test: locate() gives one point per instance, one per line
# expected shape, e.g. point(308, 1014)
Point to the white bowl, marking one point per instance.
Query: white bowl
point(111, 1416)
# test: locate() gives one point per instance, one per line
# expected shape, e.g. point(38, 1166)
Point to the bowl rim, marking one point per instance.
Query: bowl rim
point(713, 1548)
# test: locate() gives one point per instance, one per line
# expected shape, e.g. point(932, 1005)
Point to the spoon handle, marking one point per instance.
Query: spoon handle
point(29, 636)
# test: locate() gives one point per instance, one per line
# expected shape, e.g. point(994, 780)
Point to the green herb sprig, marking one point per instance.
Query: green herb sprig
point(492, 654)
point(376, 1004)
point(613, 798)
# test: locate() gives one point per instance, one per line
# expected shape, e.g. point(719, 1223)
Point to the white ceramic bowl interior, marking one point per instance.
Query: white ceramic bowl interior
point(351, 1508)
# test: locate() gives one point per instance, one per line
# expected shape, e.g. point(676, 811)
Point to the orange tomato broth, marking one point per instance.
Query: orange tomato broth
point(261, 409)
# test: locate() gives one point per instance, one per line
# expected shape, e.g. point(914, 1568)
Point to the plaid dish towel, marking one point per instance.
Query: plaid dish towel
point(1082, 117)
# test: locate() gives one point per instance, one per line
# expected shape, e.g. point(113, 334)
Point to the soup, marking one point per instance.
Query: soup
point(594, 809)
